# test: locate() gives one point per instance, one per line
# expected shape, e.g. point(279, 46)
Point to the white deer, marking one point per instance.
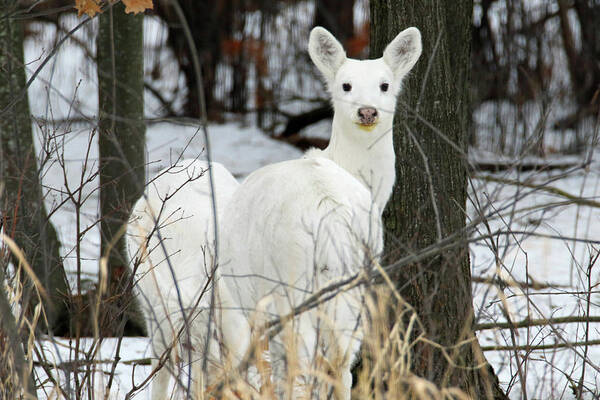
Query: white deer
point(294, 227)
point(286, 231)
point(170, 237)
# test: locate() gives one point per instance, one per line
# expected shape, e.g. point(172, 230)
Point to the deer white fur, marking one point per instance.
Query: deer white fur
point(294, 227)
point(289, 230)
point(171, 234)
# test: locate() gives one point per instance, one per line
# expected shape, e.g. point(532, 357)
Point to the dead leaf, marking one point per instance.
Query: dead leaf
point(89, 7)
point(137, 6)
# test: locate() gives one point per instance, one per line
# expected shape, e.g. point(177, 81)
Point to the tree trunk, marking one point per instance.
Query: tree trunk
point(337, 16)
point(583, 63)
point(121, 140)
point(24, 215)
point(439, 289)
point(234, 20)
point(208, 21)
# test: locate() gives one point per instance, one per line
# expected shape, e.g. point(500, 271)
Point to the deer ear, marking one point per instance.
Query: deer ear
point(326, 52)
point(403, 52)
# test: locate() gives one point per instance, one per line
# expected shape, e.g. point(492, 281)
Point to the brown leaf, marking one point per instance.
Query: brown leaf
point(137, 6)
point(89, 7)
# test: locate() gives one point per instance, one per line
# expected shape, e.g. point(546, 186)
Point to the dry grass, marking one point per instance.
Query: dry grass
point(385, 373)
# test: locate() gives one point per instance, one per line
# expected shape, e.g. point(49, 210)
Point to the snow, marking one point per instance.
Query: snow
point(127, 373)
point(560, 262)
point(66, 88)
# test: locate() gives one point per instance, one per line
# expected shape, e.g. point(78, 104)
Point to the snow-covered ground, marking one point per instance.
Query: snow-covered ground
point(66, 88)
point(559, 258)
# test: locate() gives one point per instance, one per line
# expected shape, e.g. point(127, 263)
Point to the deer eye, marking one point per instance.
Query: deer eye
point(347, 87)
point(384, 87)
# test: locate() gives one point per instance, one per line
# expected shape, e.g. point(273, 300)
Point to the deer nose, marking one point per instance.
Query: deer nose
point(367, 115)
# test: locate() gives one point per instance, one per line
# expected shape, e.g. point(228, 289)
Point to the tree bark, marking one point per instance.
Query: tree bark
point(24, 215)
point(121, 141)
point(430, 200)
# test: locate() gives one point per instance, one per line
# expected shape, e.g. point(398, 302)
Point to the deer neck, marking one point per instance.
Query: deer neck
point(368, 155)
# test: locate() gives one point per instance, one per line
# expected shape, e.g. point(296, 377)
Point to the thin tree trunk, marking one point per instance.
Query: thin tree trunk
point(337, 16)
point(208, 21)
point(419, 214)
point(238, 94)
point(24, 215)
point(121, 140)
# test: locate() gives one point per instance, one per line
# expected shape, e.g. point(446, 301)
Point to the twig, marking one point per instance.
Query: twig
point(533, 284)
point(529, 347)
point(71, 364)
point(549, 189)
point(535, 322)
point(204, 127)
